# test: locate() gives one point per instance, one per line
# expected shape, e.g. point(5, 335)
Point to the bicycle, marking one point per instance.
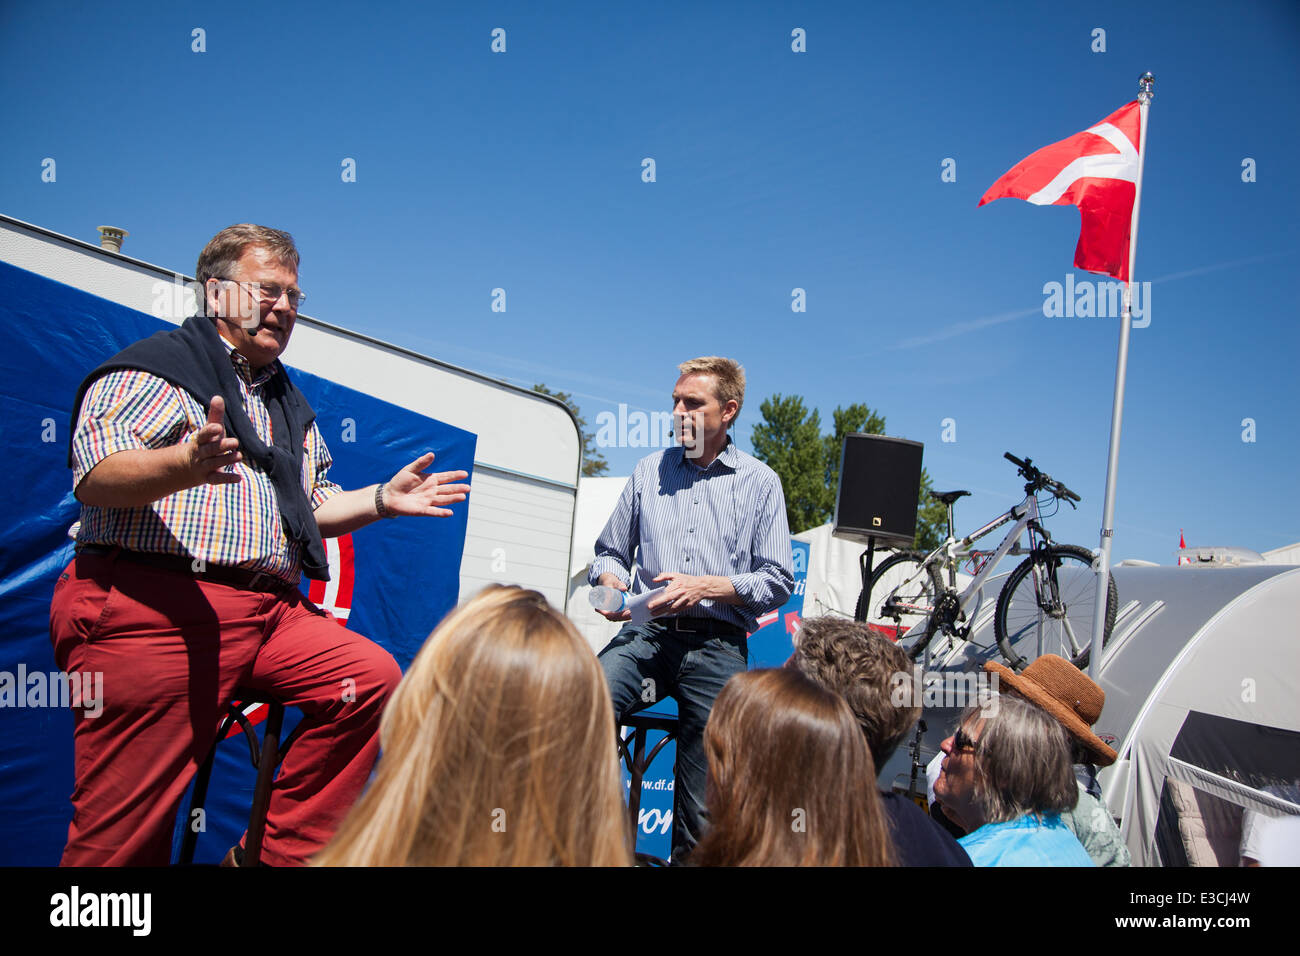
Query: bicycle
point(1053, 590)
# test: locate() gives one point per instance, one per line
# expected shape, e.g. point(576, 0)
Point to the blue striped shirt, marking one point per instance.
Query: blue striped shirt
point(727, 519)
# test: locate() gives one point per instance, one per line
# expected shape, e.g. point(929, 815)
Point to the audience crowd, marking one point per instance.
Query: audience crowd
point(499, 749)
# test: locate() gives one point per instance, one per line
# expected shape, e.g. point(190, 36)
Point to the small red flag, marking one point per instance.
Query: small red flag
point(1181, 543)
point(1095, 170)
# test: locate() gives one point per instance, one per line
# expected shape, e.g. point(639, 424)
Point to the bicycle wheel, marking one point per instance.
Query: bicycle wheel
point(1064, 578)
point(902, 591)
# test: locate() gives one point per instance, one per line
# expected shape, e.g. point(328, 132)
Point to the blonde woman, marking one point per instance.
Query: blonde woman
point(498, 750)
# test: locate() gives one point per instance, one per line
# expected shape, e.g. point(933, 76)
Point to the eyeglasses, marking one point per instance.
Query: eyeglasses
point(269, 293)
point(962, 741)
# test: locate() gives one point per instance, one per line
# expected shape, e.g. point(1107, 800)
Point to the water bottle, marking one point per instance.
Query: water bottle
point(608, 599)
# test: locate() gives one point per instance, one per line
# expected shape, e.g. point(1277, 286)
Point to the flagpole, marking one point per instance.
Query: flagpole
point(1145, 82)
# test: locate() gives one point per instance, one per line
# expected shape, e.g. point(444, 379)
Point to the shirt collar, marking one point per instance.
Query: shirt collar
point(729, 457)
point(245, 370)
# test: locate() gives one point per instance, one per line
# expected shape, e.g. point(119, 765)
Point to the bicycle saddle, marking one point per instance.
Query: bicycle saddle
point(948, 497)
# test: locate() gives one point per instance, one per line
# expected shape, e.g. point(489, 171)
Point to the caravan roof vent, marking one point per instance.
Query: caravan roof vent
point(110, 238)
point(1218, 557)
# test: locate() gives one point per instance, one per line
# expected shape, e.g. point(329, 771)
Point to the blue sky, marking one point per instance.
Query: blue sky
point(775, 170)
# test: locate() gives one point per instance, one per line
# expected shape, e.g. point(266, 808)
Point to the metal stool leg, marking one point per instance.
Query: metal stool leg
point(638, 761)
point(199, 797)
point(267, 761)
point(265, 756)
point(637, 770)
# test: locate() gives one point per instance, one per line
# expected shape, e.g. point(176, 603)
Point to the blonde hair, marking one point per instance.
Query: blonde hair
point(791, 782)
point(728, 376)
point(498, 750)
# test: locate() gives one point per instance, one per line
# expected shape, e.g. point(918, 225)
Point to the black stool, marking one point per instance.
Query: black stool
point(632, 750)
point(265, 757)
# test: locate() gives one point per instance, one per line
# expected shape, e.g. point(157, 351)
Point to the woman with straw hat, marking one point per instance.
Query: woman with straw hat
point(1076, 702)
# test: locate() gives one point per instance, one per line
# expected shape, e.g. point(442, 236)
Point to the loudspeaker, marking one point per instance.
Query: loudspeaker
point(880, 479)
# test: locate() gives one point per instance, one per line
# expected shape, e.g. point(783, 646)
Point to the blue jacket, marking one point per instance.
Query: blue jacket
point(1032, 840)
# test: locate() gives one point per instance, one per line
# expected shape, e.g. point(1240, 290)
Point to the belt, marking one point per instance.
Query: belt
point(701, 625)
point(242, 578)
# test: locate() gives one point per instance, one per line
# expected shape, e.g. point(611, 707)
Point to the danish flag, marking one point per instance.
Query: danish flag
point(335, 595)
point(1095, 170)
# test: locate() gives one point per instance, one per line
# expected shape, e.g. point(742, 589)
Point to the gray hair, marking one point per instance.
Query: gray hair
point(1023, 761)
point(224, 250)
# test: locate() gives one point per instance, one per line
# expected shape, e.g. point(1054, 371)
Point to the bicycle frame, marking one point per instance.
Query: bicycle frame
point(954, 550)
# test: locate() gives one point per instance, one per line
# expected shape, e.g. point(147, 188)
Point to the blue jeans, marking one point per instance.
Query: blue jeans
point(692, 669)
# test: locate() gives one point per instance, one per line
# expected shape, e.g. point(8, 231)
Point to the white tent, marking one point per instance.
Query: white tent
point(596, 500)
point(834, 579)
point(1202, 682)
point(1287, 555)
point(1207, 693)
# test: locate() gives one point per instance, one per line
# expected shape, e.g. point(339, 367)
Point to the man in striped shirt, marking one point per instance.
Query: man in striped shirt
point(204, 490)
point(706, 523)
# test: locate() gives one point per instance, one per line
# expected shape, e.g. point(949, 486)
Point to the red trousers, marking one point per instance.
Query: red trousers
point(172, 649)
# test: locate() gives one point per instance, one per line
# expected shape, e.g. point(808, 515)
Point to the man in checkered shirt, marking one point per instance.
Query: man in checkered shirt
point(204, 490)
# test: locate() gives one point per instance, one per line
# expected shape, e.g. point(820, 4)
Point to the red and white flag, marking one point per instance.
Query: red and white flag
point(335, 595)
point(1095, 170)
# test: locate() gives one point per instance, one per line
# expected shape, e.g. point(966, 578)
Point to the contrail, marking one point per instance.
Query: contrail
point(973, 325)
point(961, 328)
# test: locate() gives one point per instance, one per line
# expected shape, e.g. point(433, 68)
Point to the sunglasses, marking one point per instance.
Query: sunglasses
point(962, 740)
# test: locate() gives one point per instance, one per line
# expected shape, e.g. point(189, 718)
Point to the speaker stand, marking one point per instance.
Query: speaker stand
point(865, 562)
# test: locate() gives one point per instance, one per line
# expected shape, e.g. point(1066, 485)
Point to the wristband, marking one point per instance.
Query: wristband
point(380, 510)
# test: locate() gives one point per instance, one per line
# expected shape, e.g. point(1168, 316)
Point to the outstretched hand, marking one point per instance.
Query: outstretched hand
point(412, 492)
point(209, 452)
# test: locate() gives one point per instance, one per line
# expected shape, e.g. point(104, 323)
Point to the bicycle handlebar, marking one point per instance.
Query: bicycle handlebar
point(1037, 479)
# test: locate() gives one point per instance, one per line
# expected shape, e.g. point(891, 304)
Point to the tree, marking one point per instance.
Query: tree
point(931, 518)
point(593, 462)
point(790, 441)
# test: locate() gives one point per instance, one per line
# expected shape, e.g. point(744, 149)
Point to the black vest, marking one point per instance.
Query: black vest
point(193, 358)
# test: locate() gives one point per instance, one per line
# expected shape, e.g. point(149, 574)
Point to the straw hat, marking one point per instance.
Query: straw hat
point(1065, 692)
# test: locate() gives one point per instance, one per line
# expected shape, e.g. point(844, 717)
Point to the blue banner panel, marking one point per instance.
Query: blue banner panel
point(397, 578)
point(773, 643)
